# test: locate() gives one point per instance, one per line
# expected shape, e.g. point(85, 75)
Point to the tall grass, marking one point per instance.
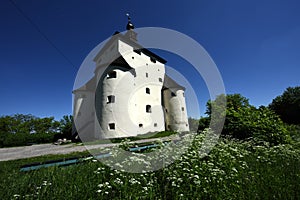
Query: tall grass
point(232, 170)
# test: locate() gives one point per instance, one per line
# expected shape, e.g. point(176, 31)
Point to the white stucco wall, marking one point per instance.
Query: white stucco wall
point(176, 113)
point(83, 113)
point(128, 111)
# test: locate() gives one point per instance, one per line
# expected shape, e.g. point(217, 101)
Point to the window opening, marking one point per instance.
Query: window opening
point(112, 74)
point(148, 108)
point(147, 90)
point(112, 126)
point(111, 99)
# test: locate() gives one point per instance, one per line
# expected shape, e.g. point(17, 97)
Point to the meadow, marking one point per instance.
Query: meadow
point(232, 170)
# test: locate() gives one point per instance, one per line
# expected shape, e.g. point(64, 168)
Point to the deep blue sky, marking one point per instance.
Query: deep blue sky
point(255, 44)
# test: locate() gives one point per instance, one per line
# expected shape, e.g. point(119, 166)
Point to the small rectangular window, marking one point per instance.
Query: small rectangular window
point(147, 90)
point(182, 108)
point(160, 79)
point(155, 124)
point(148, 108)
point(112, 74)
point(146, 75)
point(141, 125)
point(110, 99)
point(111, 126)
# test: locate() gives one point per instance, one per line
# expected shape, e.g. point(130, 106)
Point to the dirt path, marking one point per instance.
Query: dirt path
point(14, 153)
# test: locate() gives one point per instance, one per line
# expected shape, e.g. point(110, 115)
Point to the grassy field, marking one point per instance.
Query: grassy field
point(232, 170)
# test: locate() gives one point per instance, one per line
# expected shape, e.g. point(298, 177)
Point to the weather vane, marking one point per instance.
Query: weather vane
point(128, 16)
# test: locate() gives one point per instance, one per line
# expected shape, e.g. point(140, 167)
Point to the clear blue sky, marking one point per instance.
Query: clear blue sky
point(255, 44)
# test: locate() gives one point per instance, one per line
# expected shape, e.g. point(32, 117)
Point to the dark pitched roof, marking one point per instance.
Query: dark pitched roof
point(170, 83)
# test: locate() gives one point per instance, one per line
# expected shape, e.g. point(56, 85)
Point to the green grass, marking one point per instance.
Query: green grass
point(134, 138)
point(232, 170)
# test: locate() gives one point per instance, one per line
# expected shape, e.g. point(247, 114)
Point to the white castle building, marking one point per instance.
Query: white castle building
point(129, 94)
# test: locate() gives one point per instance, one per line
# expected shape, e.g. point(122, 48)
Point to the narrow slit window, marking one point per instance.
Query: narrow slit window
point(148, 108)
point(112, 74)
point(111, 99)
point(146, 74)
point(112, 126)
point(147, 90)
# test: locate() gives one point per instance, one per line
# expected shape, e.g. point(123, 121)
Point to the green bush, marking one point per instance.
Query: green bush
point(244, 121)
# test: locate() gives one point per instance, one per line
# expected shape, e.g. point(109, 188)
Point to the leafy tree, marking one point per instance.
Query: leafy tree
point(20, 129)
point(287, 105)
point(244, 121)
point(66, 126)
point(46, 125)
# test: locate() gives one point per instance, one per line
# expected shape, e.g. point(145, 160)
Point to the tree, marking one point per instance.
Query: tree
point(287, 105)
point(244, 121)
point(20, 129)
point(66, 126)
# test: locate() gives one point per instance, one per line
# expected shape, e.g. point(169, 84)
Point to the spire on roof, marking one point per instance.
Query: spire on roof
point(130, 32)
point(129, 25)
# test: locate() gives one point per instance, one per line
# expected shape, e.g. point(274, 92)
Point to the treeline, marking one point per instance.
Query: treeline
point(277, 123)
point(20, 129)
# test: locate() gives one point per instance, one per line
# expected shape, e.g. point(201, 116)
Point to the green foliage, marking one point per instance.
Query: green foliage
point(203, 123)
point(294, 131)
point(287, 105)
point(244, 121)
point(66, 126)
point(19, 130)
point(232, 170)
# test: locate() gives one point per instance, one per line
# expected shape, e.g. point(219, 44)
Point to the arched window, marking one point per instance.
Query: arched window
point(148, 108)
point(147, 90)
point(112, 74)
